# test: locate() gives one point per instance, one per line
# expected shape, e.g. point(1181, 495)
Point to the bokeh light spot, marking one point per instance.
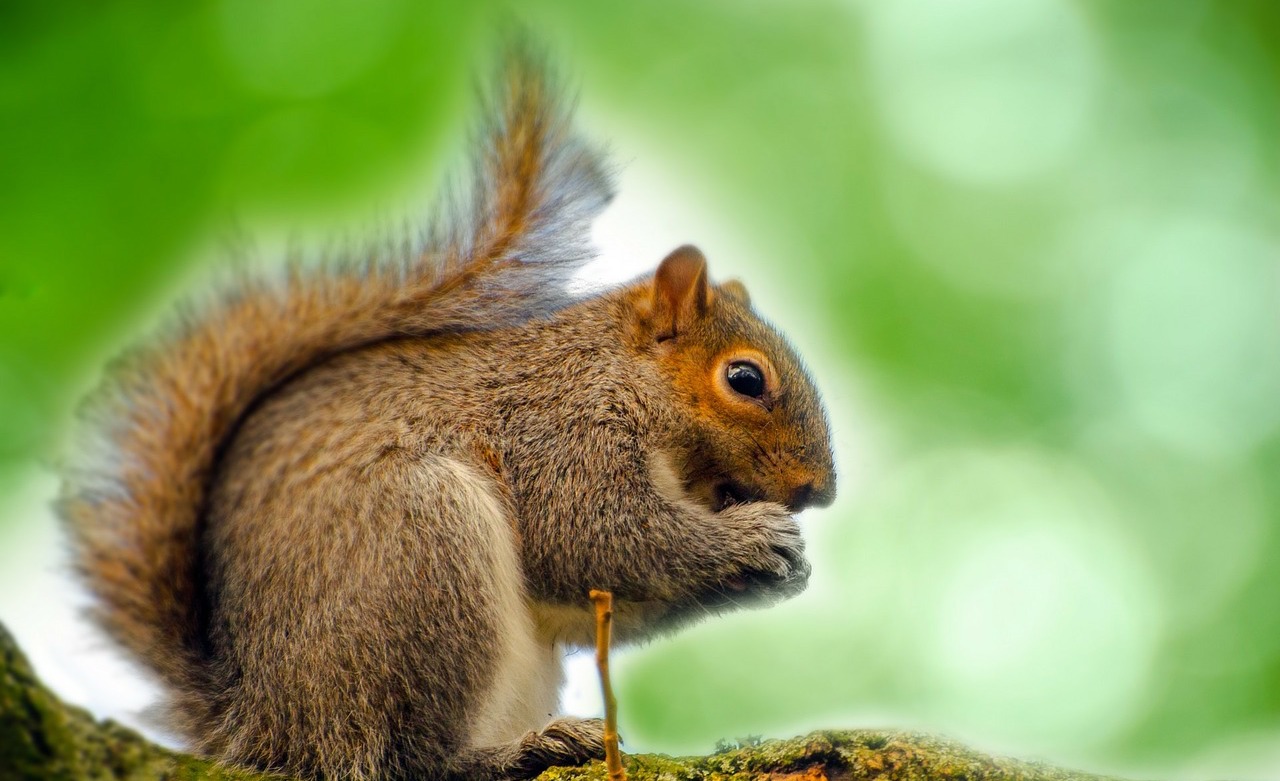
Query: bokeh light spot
point(1194, 339)
point(988, 90)
point(1024, 609)
point(304, 48)
point(1042, 622)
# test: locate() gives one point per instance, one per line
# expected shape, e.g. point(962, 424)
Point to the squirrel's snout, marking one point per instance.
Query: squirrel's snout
point(812, 495)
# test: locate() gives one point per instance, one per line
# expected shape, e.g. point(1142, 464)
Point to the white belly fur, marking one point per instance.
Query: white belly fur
point(523, 695)
point(525, 692)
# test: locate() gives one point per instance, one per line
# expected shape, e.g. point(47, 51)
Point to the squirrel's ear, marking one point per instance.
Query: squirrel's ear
point(680, 290)
point(734, 289)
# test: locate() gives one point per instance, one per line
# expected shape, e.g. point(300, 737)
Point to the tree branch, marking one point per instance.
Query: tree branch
point(41, 739)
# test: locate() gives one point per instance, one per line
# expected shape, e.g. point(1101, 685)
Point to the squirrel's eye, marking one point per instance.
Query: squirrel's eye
point(745, 378)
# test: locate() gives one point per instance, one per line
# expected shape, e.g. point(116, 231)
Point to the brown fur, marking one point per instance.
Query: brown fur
point(348, 522)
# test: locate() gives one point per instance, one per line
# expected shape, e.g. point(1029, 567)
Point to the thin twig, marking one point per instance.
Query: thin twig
point(604, 620)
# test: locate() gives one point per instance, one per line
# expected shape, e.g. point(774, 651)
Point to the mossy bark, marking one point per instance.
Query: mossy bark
point(837, 755)
point(42, 738)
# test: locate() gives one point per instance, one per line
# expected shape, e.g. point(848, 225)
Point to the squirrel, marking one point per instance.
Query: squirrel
point(350, 518)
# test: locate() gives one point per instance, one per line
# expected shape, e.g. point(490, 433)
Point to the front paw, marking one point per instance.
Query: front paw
point(768, 550)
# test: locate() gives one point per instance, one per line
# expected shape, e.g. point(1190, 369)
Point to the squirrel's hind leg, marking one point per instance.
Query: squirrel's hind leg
point(374, 618)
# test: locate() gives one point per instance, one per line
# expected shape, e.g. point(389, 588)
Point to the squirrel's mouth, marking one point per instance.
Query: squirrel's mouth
point(729, 493)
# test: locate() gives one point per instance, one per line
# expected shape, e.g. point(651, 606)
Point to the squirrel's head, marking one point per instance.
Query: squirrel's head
point(753, 424)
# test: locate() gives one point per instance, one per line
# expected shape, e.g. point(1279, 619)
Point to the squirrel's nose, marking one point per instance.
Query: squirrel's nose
point(811, 495)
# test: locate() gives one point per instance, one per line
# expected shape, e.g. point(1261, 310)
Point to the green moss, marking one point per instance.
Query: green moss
point(847, 755)
point(43, 738)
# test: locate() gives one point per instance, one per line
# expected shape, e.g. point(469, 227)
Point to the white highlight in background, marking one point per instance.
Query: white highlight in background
point(984, 90)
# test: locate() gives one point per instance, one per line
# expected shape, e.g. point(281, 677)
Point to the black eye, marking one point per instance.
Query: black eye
point(745, 378)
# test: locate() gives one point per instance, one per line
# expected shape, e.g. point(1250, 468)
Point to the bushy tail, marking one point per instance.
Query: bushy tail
point(134, 503)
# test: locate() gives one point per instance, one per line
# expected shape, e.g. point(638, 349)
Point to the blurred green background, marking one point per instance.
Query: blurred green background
point(1031, 248)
